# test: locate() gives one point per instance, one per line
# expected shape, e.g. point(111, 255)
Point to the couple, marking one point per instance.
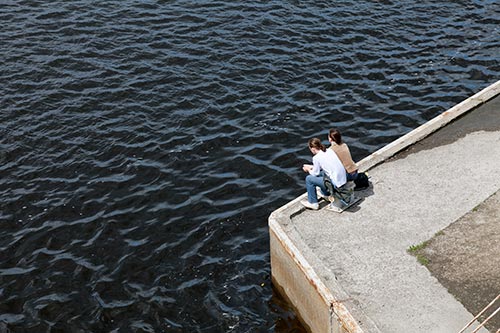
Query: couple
point(335, 162)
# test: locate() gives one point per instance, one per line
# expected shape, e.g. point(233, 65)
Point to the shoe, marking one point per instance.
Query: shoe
point(334, 208)
point(324, 197)
point(307, 204)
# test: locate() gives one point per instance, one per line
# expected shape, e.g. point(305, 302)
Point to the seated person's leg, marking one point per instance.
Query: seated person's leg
point(311, 183)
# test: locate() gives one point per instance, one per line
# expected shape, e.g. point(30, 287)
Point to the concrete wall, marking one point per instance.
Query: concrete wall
point(291, 281)
point(297, 281)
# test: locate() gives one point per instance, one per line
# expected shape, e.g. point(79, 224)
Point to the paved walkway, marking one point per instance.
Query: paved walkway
point(465, 258)
point(414, 195)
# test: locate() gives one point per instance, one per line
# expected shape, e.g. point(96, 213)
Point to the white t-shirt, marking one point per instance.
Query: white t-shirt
point(329, 162)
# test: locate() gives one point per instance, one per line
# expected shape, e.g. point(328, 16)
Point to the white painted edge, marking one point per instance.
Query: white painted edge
point(429, 127)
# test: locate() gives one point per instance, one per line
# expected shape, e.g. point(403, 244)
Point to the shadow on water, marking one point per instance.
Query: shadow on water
point(287, 322)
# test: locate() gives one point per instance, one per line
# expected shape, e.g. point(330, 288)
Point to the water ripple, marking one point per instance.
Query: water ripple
point(144, 144)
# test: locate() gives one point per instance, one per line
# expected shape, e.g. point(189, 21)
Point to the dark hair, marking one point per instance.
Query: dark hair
point(335, 136)
point(316, 143)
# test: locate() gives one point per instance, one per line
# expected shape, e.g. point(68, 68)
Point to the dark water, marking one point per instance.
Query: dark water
point(144, 143)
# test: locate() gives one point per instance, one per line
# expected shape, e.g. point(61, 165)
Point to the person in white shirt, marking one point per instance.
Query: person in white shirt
point(324, 161)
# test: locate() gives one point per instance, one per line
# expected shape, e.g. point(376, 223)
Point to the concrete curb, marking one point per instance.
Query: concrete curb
point(429, 127)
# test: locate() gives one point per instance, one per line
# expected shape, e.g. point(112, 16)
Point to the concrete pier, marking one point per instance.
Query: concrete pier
point(352, 272)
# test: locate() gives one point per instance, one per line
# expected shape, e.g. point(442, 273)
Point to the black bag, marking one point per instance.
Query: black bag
point(361, 181)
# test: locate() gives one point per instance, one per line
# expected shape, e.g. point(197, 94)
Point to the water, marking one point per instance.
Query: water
point(144, 143)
